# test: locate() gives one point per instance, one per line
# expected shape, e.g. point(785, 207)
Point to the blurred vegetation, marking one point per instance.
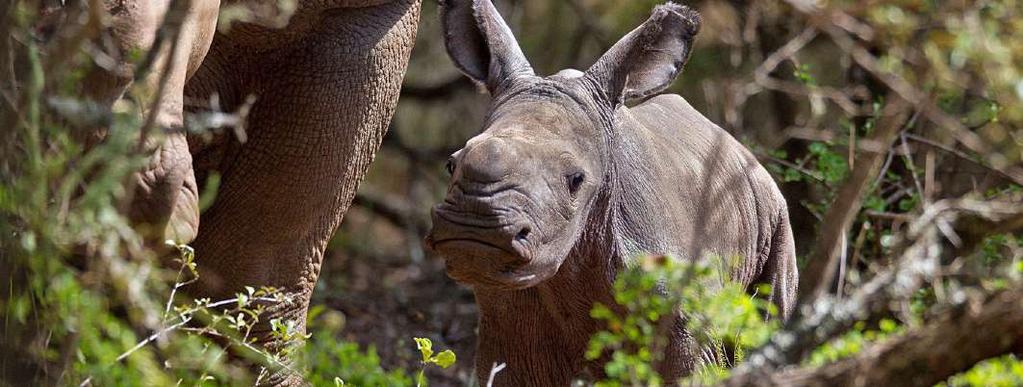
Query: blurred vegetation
point(722, 316)
point(802, 85)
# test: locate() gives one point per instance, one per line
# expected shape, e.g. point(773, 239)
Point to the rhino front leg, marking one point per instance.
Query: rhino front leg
point(323, 104)
point(166, 201)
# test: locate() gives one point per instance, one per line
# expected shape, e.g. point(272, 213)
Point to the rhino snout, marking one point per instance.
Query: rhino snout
point(502, 239)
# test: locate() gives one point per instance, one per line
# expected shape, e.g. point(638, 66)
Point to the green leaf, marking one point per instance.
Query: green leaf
point(887, 325)
point(243, 300)
point(444, 359)
point(425, 347)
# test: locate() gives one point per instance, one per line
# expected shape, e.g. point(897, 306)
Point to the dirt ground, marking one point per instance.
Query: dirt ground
point(390, 291)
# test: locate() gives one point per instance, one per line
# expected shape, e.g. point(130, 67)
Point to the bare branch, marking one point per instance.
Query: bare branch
point(762, 79)
point(784, 53)
point(768, 158)
point(926, 355)
point(919, 259)
point(493, 373)
point(817, 277)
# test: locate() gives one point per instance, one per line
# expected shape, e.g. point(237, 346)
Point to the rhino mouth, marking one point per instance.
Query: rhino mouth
point(488, 273)
point(515, 251)
point(453, 247)
point(477, 262)
point(473, 261)
point(468, 251)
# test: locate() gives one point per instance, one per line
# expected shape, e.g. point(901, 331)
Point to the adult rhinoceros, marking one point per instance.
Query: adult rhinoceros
point(326, 85)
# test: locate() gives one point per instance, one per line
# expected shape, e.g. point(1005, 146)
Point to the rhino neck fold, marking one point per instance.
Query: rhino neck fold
point(632, 194)
point(543, 331)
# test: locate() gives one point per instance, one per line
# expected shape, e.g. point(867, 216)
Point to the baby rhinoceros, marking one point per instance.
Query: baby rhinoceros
point(566, 185)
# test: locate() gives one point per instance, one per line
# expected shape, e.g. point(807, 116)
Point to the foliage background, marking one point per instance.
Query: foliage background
point(802, 83)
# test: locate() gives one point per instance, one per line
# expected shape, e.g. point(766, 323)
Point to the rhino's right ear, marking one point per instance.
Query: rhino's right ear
point(481, 44)
point(649, 58)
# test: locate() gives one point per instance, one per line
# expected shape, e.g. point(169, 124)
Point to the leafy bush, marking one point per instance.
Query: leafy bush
point(722, 316)
point(328, 360)
point(1004, 371)
point(84, 289)
point(719, 313)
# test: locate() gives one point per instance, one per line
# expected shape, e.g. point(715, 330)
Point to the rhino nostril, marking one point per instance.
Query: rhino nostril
point(523, 233)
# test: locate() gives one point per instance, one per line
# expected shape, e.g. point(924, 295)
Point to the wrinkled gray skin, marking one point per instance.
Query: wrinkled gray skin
point(566, 185)
point(327, 85)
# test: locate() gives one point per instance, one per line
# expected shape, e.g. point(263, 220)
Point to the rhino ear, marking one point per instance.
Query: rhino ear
point(649, 58)
point(481, 44)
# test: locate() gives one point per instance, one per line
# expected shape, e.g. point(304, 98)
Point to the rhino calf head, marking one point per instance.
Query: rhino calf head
point(523, 191)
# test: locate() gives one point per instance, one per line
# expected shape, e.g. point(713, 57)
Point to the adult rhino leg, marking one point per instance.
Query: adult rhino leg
point(323, 105)
point(165, 202)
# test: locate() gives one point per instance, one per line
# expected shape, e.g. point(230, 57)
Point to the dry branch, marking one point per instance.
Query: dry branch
point(921, 250)
point(818, 276)
point(926, 355)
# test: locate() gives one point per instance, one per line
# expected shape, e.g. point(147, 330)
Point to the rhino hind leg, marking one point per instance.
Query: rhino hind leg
point(781, 268)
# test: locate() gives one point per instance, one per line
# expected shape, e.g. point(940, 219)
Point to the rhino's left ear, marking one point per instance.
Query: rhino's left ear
point(481, 44)
point(649, 58)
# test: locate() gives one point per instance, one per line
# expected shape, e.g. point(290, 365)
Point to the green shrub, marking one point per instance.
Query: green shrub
point(1005, 371)
point(719, 313)
point(326, 360)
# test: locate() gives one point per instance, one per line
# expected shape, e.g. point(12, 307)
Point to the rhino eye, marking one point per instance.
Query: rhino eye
point(575, 181)
point(450, 166)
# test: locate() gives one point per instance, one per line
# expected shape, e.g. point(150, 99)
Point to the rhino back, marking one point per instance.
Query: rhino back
point(690, 188)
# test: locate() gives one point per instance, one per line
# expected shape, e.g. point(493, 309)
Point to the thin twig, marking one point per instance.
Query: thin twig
point(812, 174)
point(762, 79)
point(493, 373)
point(960, 154)
point(907, 156)
point(784, 52)
point(152, 337)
